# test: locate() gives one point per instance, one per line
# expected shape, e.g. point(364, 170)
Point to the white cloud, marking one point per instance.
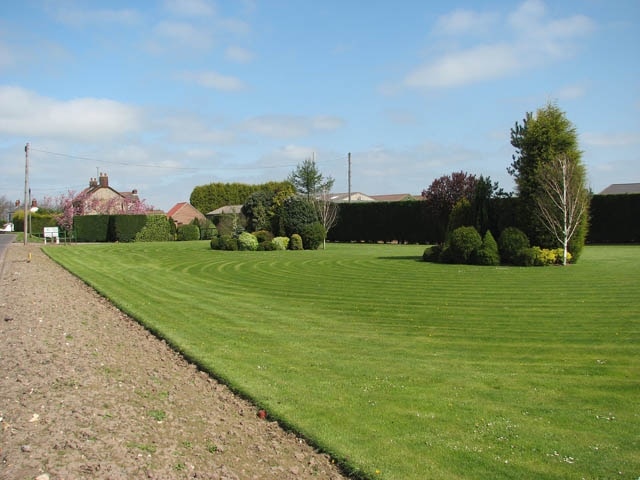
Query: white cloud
point(238, 54)
point(616, 139)
point(532, 40)
point(571, 92)
point(173, 34)
point(468, 66)
point(215, 80)
point(6, 56)
point(78, 18)
point(192, 8)
point(461, 22)
point(26, 113)
point(190, 129)
point(291, 126)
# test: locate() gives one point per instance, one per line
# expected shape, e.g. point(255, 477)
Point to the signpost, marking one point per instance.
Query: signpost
point(51, 232)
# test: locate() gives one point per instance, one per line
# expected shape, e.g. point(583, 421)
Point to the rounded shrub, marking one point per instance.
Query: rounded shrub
point(463, 243)
point(229, 243)
point(188, 233)
point(266, 246)
point(432, 253)
point(247, 242)
point(217, 243)
point(280, 243)
point(296, 242)
point(263, 236)
point(312, 235)
point(488, 253)
point(512, 240)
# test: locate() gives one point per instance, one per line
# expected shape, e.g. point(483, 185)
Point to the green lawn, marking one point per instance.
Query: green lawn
point(404, 369)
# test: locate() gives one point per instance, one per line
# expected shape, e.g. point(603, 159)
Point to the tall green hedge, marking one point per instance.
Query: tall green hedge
point(37, 222)
point(614, 219)
point(123, 228)
point(91, 228)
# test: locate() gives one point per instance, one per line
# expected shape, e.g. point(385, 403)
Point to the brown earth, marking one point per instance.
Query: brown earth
point(86, 392)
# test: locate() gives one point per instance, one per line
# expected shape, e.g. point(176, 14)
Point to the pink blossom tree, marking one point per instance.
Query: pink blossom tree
point(74, 204)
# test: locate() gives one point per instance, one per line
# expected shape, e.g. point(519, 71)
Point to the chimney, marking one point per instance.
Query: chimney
point(93, 182)
point(34, 203)
point(104, 180)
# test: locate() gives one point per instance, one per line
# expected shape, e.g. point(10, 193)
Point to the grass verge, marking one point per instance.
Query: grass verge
point(399, 368)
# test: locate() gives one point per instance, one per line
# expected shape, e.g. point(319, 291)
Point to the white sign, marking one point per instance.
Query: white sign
point(50, 232)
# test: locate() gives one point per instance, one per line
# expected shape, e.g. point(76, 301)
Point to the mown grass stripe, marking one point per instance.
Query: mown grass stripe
point(417, 370)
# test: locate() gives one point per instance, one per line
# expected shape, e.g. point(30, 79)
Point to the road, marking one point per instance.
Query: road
point(5, 240)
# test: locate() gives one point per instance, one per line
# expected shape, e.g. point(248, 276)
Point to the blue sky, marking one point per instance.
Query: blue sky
point(167, 95)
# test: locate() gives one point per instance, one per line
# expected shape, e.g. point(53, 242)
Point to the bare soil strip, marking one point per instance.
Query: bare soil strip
point(86, 392)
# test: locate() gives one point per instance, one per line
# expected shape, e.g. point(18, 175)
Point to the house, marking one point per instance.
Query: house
point(396, 197)
point(621, 189)
point(226, 210)
point(346, 197)
point(184, 213)
point(99, 197)
point(361, 197)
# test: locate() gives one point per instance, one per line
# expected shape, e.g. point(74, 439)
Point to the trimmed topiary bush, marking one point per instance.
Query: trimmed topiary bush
point(512, 240)
point(247, 242)
point(266, 246)
point(432, 253)
point(312, 235)
point(463, 243)
point(217, 243)
point(526, 257)
point(188, 233)
point(296, 242)
point(280, 243)
point(488, 253)
point(263, 236)
point(157, 229)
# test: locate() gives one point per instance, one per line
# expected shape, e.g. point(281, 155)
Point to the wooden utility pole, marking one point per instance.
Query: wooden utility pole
point(26, 193)
point(349, 182)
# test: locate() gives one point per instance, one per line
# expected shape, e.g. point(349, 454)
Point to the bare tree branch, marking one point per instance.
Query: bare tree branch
point(562, 200)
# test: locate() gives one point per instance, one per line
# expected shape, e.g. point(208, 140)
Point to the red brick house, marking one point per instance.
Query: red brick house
point(184, 213)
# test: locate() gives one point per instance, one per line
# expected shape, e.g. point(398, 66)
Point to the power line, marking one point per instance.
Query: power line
point(126, 164)
point(77, 157)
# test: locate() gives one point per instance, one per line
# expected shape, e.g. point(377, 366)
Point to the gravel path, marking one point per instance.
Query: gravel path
point(86, 392)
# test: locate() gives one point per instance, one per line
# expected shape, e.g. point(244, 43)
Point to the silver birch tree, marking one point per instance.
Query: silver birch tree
point(562, 198)
point(327, 213)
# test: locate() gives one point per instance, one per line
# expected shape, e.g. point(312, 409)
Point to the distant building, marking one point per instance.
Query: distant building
point(226, 210)
point(621, 189)
point(184, 213)
point(99, 197)
point(361, 197)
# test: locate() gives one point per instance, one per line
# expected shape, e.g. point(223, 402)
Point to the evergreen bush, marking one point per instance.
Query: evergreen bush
point(488, 253)
point(216, 243)
point(463, 243)
point(432, 253)
point(312, 235)
point(263, 236)
point(247, 242)
point(158, 228)
point(296, 242)
point(280, 243)
point(512, 240)
point(266, 246)
point(188, 233)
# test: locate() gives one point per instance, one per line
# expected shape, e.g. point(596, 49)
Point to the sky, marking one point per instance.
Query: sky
point(167, 95)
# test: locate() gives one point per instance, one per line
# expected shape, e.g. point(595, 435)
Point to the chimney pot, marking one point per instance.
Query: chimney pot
point(104, 180)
